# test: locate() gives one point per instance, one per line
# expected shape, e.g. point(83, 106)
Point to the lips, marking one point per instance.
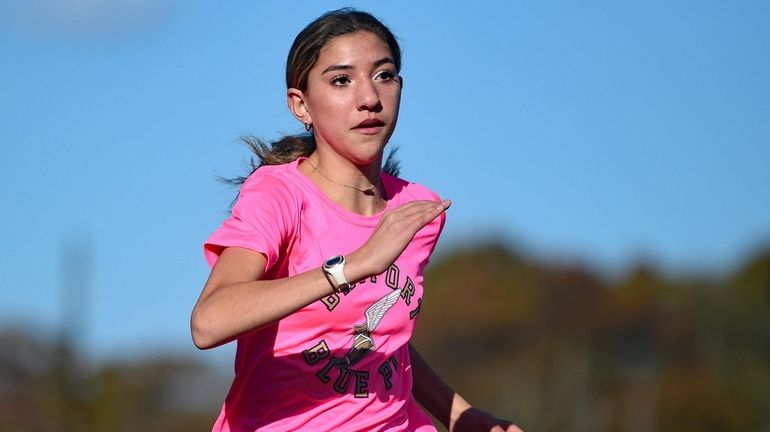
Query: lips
point(370, 123)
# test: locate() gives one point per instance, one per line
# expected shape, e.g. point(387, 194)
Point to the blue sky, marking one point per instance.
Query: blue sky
point(600, 132)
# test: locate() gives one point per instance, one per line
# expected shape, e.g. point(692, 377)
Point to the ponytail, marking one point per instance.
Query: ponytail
point(288, 149)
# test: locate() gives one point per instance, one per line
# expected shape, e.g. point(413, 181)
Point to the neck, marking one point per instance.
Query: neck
point(356, 188)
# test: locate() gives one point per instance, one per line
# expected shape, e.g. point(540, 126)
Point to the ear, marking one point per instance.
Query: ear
point(296, 101)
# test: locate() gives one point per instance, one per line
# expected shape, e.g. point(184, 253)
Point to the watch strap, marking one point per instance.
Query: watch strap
point(334, 268)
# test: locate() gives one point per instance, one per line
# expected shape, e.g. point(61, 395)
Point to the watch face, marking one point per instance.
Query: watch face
point(333, 261)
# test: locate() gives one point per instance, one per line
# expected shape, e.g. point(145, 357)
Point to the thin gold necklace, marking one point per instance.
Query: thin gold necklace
point(368, 191)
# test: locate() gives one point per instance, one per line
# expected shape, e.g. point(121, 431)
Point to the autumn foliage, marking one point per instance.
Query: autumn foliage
point(552, 346)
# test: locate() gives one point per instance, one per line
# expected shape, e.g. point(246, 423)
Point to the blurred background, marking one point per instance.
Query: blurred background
point(605, 264)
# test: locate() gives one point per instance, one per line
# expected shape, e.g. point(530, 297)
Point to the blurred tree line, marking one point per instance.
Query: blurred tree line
point(558, 347)
point(554, 347)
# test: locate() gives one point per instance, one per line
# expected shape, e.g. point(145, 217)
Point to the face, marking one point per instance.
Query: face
point(352, 97)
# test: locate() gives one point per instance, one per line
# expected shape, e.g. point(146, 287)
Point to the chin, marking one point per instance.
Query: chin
point(367, 153)
point(367, 158)
point(367, 161)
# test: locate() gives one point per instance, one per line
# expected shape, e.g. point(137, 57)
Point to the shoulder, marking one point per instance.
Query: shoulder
point(268, 175)
point(263, 218)
point(270, 190)
point(274, 182)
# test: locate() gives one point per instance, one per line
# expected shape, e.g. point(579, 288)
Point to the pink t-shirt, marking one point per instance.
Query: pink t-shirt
point(341, 363)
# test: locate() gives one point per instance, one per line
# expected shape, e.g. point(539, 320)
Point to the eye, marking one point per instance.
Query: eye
point(386, 75)
point(340, 80)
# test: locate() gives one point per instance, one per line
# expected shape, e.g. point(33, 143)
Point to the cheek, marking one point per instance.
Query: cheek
point(331, 115)
point(320, 108)
point(334, 113)
point(340, 105)
point(392, 97)
point(332, 104)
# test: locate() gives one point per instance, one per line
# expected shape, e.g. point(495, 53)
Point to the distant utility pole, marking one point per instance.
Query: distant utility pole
point(76, 280)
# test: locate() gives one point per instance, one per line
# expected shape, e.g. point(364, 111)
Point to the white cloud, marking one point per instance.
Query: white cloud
point(82, 18)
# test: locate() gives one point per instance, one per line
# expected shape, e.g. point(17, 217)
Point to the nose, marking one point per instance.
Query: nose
point(369, 97)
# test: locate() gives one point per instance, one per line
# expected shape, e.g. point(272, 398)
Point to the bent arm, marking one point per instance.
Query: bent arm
point(454, 412)
point(234, 300)
point(433, 393)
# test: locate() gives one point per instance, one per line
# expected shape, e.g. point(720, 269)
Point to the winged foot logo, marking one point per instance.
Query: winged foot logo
point(362, 342)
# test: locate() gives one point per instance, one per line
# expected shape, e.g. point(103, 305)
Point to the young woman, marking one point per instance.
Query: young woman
point(318, 273)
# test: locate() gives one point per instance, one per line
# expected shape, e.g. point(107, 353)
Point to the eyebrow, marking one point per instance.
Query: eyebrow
point(337, 67)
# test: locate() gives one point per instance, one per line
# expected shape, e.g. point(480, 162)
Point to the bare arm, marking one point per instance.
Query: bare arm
point(454, 412)
point(235, 300)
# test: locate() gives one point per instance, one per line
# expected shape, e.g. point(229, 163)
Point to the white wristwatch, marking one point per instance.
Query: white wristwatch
point(334, 268)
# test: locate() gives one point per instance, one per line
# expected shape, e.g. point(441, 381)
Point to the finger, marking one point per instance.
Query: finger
point(432, 212)
point(414, 211)
point(432, 207)
point(420, 217)
point(413, 207)
point(413, 216)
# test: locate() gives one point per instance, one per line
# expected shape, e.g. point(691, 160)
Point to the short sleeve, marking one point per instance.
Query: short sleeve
point(262, 219)
point(436, 226)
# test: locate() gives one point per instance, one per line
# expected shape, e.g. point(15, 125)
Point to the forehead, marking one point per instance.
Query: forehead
point(360, 47)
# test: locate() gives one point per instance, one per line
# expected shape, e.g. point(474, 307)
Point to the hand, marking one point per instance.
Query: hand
point(393, 233)
point(476, 420)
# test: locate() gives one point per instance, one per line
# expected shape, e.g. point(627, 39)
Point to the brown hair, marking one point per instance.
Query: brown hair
point(307, 46)
point(303, 55)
